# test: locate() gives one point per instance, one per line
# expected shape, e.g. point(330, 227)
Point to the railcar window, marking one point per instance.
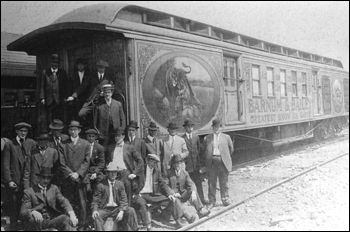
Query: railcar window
point(270, 83)
point(283, 83)
point(256, 80)
point(303, 84)
point(230, 72)
point(295, 83)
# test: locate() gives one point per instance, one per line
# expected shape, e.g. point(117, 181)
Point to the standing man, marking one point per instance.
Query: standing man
point(40, 206)
point(13, 163)
point(109, 115)
point(173, 144)
point(129, 161)
point(75, 160)
point(110, 200)
point(138, 143)
point(218, 149)
point(53, 89)
point(153, 144)
point(194, 161)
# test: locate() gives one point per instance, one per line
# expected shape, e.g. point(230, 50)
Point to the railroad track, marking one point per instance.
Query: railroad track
point(236, 204)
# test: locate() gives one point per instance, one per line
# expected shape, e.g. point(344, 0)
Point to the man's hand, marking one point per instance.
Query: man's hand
point(132, 176)
point(93, 176)
point(43, 101)
point(95, 214)
point(74, 175)
point(70, 98)
point(73, 220)
point(38, 217)
point(172, 198)
point(177, 195)
point(193, 196)
point(12, 184)
point(120, 216)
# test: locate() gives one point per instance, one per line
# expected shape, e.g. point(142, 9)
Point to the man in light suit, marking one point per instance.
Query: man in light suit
point(109, 115)
point(42, 205)
point(218, 149)
point(13, 163)
point(173, 144)
point(110, 200)
point(75, 160)
point(153, 144)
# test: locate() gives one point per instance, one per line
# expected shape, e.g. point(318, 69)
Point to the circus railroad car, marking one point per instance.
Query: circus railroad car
point(169, 69)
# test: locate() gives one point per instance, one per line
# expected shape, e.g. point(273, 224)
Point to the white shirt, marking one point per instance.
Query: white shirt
point(81, 76)
point(54, 71)
point(108, 101)
point(100, 76)
point(148, 187)
point(91, 148)
point(118, 156)
point(189, 136)
point(216, 144)
point(111, 199)
point(18, 140)
point(74, 140)
point(150, 138)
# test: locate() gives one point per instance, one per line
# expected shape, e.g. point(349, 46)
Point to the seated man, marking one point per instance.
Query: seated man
point(184, 188)
point(110, 201)
point(40, 208)
point(150, 194)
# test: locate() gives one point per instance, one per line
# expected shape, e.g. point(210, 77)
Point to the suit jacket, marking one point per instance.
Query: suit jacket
point(155, 147)
point(139, 145)
point(160, 186)
point(102, 119)
point(97, 161)
point(101, 195)
point(194, 160)
point(36, 163)
point(55, 202)
point(184, 180)
point(14, 162)
point(225, 147)
point(75, 158)
point(75, 84)
point(177, 147)
point(54, 88)
point(53, 144)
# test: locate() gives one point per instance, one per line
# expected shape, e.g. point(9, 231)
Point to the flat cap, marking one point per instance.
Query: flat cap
point(154, 157)
point(21, 125)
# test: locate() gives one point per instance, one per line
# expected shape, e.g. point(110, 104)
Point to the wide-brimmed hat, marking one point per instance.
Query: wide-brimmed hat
point(91, 131)
point(216, 122)
point(112, 167)
point(21, 125)
point(45, 172)
point(74, 124)
point(133, 124)
point(118, 131)
point(101, 63)
point(56, 125)
point(154, 157)
point(152, 126)
point(54, 58)
point(176, 158)
point(188, 123)
point(108, 87)
point(43, 136)
point(172, 125)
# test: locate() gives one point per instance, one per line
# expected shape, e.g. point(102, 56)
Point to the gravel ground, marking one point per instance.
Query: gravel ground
point(318, 200)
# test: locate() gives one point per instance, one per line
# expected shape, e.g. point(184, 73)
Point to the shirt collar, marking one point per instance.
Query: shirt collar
point(150, 137)
point(41, 187)
point(121, 144)
point(54, 70)
point(18, 139)
point(109, 182)
point(188, 135)
point(74, 139)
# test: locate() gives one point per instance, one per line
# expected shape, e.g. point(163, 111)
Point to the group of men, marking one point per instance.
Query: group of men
point(67, 182)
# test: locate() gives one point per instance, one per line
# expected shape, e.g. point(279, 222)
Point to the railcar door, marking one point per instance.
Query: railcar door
point(316, 93)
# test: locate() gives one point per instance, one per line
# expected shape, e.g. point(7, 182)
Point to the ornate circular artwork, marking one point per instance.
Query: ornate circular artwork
point(179, 86)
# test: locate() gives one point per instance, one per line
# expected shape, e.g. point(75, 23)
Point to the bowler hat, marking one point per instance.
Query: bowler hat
point(91, 131)
point(188, 123)
point(74, 124)
point(154, 157)
point(118, 131)
point(176, 158)
point(152, 126)
point(112, 167)
point(43, 136)
point(216, 122)
point(172, 125)
point(102, 63)
point(56, 125)
point(54, 58)
point(21, 125)
point(80, 61)
point(133, 124)
point(45, 172)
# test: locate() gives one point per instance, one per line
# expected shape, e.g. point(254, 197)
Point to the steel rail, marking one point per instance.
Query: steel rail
point(230, 207)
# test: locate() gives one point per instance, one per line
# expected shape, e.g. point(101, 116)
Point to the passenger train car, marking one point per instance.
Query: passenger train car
point(168, 68)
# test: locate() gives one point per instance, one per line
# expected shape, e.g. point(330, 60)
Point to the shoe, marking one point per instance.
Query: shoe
point(210, 206)
point(178, 224)
point(203, 212)
point(205, 202)
point(226, 203)
point(190, 218)
point(149, 228)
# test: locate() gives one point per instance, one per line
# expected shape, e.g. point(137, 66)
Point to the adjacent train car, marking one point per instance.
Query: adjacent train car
point(169, 68)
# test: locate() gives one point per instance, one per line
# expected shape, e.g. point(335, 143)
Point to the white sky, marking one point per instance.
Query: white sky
point(317, 27)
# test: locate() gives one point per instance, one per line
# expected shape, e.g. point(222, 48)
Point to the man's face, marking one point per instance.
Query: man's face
point(112, 175)
point(216, 129)
point(101, 69)
point(177, 165)
point(189, 129)
point(42, 143)
point(22, 132)
point(56, 133)
point(171, 131)
point(74, 131)
point(119, 138)
point(91, 138)
point(44, 181)
point(80, 67)
point(152, 163)
point(107, 94)
point(131, 132)
point(54, 65)
point(152, 132)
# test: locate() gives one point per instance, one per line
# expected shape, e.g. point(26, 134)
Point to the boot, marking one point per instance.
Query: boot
point(189, 217)
point(203, 212)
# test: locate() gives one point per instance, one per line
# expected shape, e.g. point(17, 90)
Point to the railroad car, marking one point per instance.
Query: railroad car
point(169, 69)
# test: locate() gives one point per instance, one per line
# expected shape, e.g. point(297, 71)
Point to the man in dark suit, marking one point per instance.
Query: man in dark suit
point(75, 160)
point(181, 183)
point(42, 157)
point(53, 89)
point(153, 144)
point(110, 200)
point(129, 160)
point(16, 155)
point(108, 115)
point(194, 161)
point(138, 143)
point(218, 149)
point(42, 205)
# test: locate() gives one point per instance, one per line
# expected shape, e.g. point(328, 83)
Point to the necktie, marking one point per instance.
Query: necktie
point(43, 191)
point(111, 195)
point(58, 140)
point(100, 77)
point(21, 141)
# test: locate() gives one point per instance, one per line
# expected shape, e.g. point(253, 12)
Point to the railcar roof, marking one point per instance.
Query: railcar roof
point(104, 16)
